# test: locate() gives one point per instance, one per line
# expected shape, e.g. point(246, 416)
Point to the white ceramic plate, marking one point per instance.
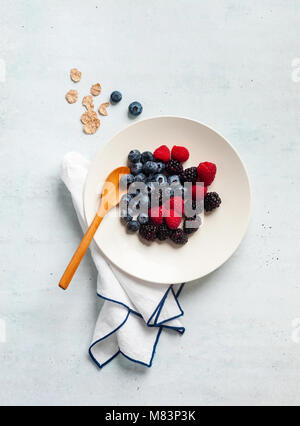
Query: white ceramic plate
point(222, 230)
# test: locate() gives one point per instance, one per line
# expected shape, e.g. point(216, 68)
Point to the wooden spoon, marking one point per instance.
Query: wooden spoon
point(110, 197)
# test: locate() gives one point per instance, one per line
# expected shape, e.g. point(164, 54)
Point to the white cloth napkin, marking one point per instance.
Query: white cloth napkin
point(134, 311)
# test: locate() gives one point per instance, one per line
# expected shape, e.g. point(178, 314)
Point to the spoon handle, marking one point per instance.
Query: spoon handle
point(79, 253)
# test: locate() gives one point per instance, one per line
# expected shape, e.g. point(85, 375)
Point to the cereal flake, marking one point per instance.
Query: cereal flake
point(87, 101)
point(72, 96)
point(92, 126)
point(96, 89)
point(88, 116)
point(102, 108)
point(75, 75)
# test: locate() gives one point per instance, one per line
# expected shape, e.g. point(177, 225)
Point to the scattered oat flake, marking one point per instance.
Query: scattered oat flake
point(72, 96)
point(91, 121)
point(102, 108)
point(88, 116)
point(96, 89)
point(92, 126)
point(75, 75)
point(87, 101)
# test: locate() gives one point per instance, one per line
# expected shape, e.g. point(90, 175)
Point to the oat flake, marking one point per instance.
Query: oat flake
point(75, 75)
point(88, 116)
point(72, 96)
point(87, 101)
point(96, 89)
point(102, 108)
point(92, 126)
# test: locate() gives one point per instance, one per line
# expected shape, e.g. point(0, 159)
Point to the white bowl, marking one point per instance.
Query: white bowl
point(222, 230)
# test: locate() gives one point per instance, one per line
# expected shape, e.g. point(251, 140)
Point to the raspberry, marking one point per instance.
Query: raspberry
point(156, 215)
point(178, 237)
point(198, 192)
point(148, 232)
point(174, 167)
point(163, 232)
point(206, 172)
point(190, 175)
point(162, 153)
point(173, 219)
point(191, 225)
point(211, 201)
point(180, 153)
point(177, 204)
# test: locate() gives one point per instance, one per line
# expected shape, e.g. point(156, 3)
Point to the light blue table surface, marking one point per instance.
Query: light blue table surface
point(226, 63)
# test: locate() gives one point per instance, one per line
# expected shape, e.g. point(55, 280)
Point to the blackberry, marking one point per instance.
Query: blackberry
point(174, 167)
point(178, 237)
point(191, 225)
point(148, 232)
point(163, 232)
point(211, 201)
point(190, 175)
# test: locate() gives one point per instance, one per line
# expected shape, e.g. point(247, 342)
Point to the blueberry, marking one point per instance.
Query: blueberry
point(126, 215)
point(136, 168)
point(136, 188)
point(150, 167)
point(134, 156)
point(150, 178)
point(143, 218)
point(159, 178)
point(135, 108)
point(116, 97)
point(174, 180)
point(126, 198)
point(133, 226)
point(135, 205)
point(147, 156)
point(144, 203)
point(126, 180)
point(150, 187)
point(140, 178)
point(160, 166)
point(139, 202)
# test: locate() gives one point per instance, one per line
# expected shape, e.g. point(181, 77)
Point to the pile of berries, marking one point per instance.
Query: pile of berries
point(162, 195)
